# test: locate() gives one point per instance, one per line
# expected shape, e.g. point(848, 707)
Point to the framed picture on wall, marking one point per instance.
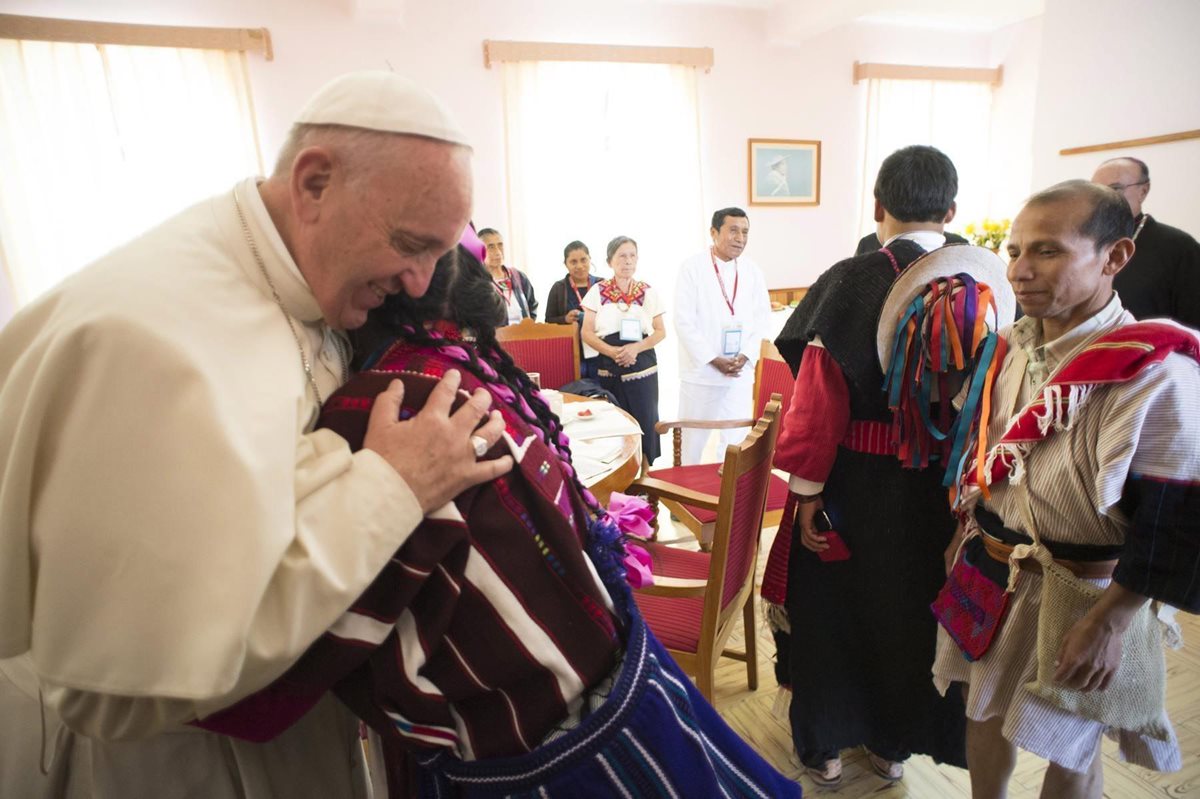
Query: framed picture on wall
point(784, 172)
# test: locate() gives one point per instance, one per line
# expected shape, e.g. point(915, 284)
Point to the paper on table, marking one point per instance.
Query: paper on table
point(601, 450)
point(588, 469)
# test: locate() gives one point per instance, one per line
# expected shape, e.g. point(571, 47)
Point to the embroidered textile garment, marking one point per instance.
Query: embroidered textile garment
point(489, 622)
point(460, 656)
point(871, 687)
point(602, 300)
point(1125, 471)
point(655, 736)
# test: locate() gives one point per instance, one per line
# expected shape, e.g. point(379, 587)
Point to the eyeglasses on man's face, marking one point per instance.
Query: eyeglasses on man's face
point(1124, 186)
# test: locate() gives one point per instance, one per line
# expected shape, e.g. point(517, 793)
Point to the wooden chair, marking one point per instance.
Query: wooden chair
point(772, 376)
point(772, 380)
point(698, 596)
point(550, 350)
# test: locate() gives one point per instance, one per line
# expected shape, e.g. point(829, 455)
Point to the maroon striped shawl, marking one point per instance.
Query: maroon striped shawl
point(485, 625)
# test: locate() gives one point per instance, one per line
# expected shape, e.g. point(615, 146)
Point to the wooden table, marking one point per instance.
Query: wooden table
point(625, 468)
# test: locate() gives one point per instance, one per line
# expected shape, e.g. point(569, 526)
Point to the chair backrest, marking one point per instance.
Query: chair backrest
point(550, 350)
point(744, 481)
point(772, 378)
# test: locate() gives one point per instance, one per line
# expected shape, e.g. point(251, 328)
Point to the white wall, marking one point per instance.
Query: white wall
point(1114, 70)
point(755, 89)
point(805, 92)
point(1018, 48)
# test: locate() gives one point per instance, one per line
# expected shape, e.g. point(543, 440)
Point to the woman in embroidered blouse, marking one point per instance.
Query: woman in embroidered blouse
point(622, 323)
point(500, 651)
point(562, 304)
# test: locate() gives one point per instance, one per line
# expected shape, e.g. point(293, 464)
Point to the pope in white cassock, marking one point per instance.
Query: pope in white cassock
point(722, 314)
point(173, 534)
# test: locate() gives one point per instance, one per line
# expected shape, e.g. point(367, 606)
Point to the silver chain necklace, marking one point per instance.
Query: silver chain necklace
point(262, 267)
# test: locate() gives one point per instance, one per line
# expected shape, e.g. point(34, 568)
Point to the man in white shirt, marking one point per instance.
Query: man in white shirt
point(722, 314)
point(173, 532)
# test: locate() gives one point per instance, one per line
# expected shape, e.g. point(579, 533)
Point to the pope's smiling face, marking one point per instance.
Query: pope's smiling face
point(378, 228)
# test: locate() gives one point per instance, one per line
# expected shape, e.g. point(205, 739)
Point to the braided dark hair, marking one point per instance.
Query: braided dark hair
point(462, 292)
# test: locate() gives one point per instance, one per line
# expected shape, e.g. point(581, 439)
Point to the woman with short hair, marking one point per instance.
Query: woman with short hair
point(622, 323)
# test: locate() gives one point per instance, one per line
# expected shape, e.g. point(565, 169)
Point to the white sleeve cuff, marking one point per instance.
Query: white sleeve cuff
point(798, 485)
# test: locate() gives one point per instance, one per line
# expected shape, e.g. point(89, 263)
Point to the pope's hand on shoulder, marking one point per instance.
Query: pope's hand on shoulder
point(432, 451)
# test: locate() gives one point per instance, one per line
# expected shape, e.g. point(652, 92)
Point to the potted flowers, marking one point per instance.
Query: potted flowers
point(988, 233)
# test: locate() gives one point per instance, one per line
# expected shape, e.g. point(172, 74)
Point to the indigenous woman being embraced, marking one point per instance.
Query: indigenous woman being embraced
point(500, 652)
point(622, 323)
point(562, 304)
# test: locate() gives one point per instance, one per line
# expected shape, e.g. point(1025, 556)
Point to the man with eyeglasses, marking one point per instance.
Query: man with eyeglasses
point(1163, 277)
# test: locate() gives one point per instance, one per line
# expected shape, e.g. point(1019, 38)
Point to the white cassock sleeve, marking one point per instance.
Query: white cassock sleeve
point(181, 539)
point(694, 328)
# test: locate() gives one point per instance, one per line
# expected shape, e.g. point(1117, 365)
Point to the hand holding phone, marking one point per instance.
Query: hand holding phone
point(836, 549)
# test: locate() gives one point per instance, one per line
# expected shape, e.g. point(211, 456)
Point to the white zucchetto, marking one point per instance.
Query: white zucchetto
point(383, 101)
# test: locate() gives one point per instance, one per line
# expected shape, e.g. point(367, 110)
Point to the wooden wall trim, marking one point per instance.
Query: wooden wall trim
point(1127, 143)
point(500, 51)
point(47, 29)
point(866, 71)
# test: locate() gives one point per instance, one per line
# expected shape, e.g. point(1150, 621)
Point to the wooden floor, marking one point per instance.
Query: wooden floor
point(750, 713)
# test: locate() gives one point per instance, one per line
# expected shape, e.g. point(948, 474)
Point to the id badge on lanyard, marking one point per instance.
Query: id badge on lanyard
point(731, 339)
point(631, 328)
point(731, 332)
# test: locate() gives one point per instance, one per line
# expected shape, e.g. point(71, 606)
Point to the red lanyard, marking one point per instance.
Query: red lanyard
point(729, 302)
point(575, 289)
point(504, 287)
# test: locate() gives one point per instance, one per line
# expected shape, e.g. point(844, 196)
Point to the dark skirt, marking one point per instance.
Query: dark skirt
point(636, 390)
point(862, 641)
point(654, 736)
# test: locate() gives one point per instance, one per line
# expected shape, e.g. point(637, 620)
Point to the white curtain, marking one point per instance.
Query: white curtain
point(99, 142)
point(954, 117)
point(597, 150)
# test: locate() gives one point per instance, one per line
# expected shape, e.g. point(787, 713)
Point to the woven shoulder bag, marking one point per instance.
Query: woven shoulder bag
point(1135, 699)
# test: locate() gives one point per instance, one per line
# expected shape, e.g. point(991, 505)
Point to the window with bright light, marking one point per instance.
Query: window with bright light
point(953, 116)
point(100, 142)
point(596, 150)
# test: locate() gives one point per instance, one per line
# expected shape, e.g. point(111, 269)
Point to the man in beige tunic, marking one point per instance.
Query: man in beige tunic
point(173, 532)
point(1111, 483)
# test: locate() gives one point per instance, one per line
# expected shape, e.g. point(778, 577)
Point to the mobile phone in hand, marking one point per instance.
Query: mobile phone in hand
point(837, 547)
